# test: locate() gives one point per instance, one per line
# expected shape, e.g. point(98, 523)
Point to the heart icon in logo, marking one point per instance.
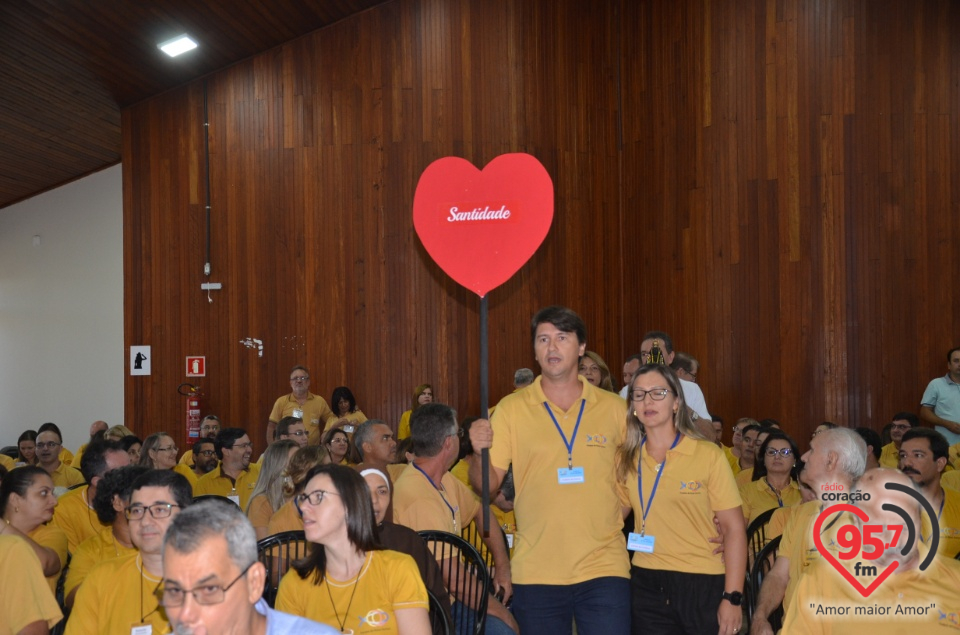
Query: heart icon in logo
point(480, 227)
point(865, 591)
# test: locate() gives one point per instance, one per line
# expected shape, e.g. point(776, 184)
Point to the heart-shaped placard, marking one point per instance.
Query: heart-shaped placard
point(865, 591)
point(482, 226)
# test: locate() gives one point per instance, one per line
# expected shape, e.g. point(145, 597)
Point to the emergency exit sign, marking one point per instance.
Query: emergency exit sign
point(196, 366)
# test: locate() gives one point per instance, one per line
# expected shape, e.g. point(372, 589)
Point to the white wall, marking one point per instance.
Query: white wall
point(61, 309)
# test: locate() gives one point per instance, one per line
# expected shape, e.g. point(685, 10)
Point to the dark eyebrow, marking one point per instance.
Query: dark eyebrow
point(209, 578)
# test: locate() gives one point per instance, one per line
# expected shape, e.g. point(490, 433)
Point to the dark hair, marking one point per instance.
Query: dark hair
point(748, 428)
point(118, 482)
point(430, 425)
point(419, 390)
point(299, 367)
point(50, 427)
point(663, 337)
point(466, 448)
point(909, 417)
point(404, 446)
point(27, 435)
point(93, 463)
point(829, 425)
point(872, 439)
point(938, 443)
point(769, 423)
point(17, 482)
point(951, 352)
point(199, 443)
point(128, 442)
point(226, 438)
point(684, 361)
point(561, 317)
point(716, 418)
point(345, 393)
point(351, 456)
point(760, 465)
point(637, 356)
point(177, 483)
point(283, 427)
point(361, 526)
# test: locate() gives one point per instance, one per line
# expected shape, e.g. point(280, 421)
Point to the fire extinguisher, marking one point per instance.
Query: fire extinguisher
point(194, 397)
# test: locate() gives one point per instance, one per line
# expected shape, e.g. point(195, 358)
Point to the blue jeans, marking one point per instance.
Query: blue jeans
point(600, 606)
point(464, 622)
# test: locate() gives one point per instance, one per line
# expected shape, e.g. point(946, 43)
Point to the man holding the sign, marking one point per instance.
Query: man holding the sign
point(561, 435)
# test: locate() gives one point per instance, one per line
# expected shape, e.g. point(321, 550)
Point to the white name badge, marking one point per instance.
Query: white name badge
point(568, 475)
point(235, 499)
point(141, 629)
point(510, 541)
point(298, 413)
point(643, 544)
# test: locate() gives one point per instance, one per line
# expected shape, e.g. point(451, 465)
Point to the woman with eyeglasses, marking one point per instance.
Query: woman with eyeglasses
point(26, 506)
point(348, 580)
point(775, 477)
point(337, 444)
point(677, 482)
point(159, 451)
point(596, 371)
point(267, 496)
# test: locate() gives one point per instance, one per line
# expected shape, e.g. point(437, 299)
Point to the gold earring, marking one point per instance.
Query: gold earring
point(635, 414)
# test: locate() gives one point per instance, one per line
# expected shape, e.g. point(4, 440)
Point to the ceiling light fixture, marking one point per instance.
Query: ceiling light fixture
point(178, 45)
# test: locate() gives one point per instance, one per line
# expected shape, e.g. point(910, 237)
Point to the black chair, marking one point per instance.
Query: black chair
point(61, 626)
point(761, 566)
point(757, 534)
point(466, 577)
point(213, 497)
point(276, 553)
point(11, 451)
point(439, 622)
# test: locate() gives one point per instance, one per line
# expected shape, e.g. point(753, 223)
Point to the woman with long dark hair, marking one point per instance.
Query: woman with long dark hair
point(348, 580)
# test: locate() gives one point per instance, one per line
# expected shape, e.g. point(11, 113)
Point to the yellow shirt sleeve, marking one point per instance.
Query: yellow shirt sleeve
point(25, 597)
point(403, 430)
point(52, 537)
point(259, 512)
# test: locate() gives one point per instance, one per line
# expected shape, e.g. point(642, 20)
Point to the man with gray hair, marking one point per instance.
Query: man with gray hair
point(522, 378)
point(832, 466)
point(213, 582)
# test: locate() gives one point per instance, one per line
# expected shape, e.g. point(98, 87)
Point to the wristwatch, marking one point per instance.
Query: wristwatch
point(735, 598)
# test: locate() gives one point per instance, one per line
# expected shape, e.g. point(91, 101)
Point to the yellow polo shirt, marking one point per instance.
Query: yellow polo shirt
point(52, 537)
point(187, 471)
point(744, 477)
point(419, 506)
point(695, 482)
point(570, 533)
point(950, 480)
point(758, 497)
point(216, 483)
point(890, 456)
point(91, 552)
point(732, 460)
point(26, 597)
point(75, 516)
point(949, 521)
point(315, 412)
point(285, 519)
point(7, 462)
point(66, 476)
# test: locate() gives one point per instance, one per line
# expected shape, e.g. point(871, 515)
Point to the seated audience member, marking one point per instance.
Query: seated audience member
point(836, 459)
point(303, 404)
point(422, 394)
point(428, 496)
point(26, 505)
point(377, 449)
point(337, 444)
point(901, 422)
point(823, 427)
point(26, 603)
point(345, 405)
point(209, 428)
point(7, 462)
point(736, 440)
point(286, 518)
point(783, 515)
point(348, 579)
point(132, 445)
point(75, 514)
point(404, 539)
point(97, 431)
point(49, 444)
point(596, 371)
point(872, 439)
point(404, 455)
point(235, 478)
point(934, 590)
point(27, 448)
point(686, 366)
point(522, 378)
point(118, 432)
point(774, 481)
point(159, 452)
point(748, 453)
point(113, 496)
point(292, 428)
point(630, 367)
point(692, 394)
point(210, 552)
point(923, 455)
point(205, 460)
point(267, 496)
point(65, 456)
point(718, 431)
point(119, 593)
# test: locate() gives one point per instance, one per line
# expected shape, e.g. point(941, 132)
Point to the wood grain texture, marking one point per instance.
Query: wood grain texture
point(770, 182)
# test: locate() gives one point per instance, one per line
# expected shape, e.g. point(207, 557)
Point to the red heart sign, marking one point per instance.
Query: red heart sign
point(826, 553)
point(482, 226)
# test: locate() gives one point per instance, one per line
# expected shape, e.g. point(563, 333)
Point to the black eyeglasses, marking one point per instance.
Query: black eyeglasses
point(204, 594)
point(785, 452)
point(314, 498)
point(158, 510)
point(207, 452)
point(657, 394)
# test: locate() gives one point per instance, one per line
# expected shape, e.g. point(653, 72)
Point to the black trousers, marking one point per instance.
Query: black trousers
point(674, 603)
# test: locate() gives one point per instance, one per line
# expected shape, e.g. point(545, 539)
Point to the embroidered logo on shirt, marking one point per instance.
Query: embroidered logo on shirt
point(376, 617)
point(690, 487)
point(596, 441)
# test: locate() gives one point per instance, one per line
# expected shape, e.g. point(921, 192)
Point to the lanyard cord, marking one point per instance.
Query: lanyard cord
point(346, 613)
point(661, 469)
point(567, 444)
point(453, 513)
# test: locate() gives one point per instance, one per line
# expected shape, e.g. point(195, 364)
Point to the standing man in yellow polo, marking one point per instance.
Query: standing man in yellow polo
point(235, 478)
point(561, 435)
point(302, 404)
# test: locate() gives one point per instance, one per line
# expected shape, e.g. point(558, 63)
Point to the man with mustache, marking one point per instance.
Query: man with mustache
point(890, 453)
point(923, 455)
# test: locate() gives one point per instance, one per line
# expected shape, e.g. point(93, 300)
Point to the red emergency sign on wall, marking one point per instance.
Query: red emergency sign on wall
point(196, 366)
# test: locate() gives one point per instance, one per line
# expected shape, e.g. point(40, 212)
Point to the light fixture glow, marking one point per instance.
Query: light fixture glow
point(177, 46)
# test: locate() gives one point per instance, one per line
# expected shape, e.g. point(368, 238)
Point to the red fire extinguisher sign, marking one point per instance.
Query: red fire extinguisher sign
point(196, 366)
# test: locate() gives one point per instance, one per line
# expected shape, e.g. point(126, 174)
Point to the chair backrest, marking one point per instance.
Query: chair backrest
point(471, 533)
point(61, 626)
point(757, 535)
point(761, 566)
point(439, 622)
point(276, 553)
point(466, 577)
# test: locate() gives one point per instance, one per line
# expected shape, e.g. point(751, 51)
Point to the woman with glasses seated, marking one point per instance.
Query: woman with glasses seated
point(337, 444)
point(678, 482)
point(348, 580)
point(775, 475)
point(159, 452)
point(267, 496)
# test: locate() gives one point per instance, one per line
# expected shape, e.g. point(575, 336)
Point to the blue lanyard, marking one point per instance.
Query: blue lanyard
point(568, 444)
point(656, 483)
point(775, 492)
point(453, 514)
